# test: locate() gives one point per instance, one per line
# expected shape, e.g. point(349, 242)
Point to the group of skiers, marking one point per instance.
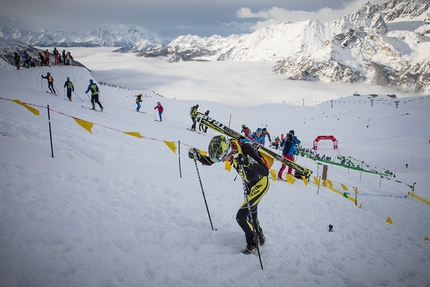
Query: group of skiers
point(242, 155)
point(28, 61)
point(68, 85)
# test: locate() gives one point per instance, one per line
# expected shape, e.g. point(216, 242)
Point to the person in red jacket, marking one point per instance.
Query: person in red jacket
point(160, 110)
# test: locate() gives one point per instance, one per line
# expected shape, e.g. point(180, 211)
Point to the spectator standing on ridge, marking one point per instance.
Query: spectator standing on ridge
point(50, 80)
point(160, 111)
point(56, 54)
point(193, 114)
point(138, 101)
point(94, 95)
point(254, 173)
point(17, 58)
point(42, 59)
point(70, 88)
point(46, 55)
point(63, 53)
point(288, 144)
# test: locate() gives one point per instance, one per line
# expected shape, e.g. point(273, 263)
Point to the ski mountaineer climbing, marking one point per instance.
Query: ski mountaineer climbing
point(70, 88)
point(138, 101)
point(50, 80)
point(193, 114)
point(94, 94)
point(254, 172)
point(160, 110)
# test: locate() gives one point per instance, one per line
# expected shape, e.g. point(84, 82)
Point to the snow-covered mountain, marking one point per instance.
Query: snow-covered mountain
point(385, 44)
point(92, 38)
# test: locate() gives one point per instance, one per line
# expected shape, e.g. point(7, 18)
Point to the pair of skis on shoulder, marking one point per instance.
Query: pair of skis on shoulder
point(221, 128)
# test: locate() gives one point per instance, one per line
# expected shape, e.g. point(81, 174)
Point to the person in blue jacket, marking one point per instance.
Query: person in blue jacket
point(265, 133)
point(288, 144)
point(257, 136)
point(94, 94)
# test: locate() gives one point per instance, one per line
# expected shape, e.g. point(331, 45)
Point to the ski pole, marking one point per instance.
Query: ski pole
point(78, 96)
point(203, 192)
point(55, 88)
point(251, 217)
point(88, 96)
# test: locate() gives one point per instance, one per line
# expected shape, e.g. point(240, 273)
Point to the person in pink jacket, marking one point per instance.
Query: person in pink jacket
point(160, 110)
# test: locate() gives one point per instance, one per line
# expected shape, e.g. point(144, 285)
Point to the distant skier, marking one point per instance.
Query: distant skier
point(50, 80)
point(94, 94)
point(138, 101)
point(193, 114)
point(204, 128)
point(70, 88)
point(160, 109)
point(56, 54)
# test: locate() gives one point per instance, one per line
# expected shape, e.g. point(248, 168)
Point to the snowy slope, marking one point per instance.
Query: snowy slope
point(111, 209)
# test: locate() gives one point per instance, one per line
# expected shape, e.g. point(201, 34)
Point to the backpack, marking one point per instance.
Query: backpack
point(287, 146)
point(94, 88)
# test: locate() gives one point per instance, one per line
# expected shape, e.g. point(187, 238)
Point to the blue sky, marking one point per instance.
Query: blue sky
point(167, 17)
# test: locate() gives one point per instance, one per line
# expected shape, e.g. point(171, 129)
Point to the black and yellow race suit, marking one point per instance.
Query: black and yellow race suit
point(257, 181)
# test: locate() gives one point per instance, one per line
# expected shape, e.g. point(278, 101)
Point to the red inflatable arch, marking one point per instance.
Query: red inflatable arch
point(332, 138)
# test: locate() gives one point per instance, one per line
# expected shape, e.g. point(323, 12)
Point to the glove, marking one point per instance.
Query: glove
point(243, 160)
point(194, 153)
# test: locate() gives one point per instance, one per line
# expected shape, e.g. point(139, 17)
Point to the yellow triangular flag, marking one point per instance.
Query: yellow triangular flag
point(273, 174)
point(330, 183)
point(171, 145)
point(317, 181)
point(325, 183)
point(426, 238)
point(227, 165)
point(361, 205)
point(355, 190)
point(344, 187)
point(86, 125)
point(31, 109)
point(135, 134)
point(389, 220)
point(305, 180)
point(290, 178)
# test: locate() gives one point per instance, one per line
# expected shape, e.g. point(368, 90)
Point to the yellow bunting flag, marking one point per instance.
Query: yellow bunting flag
point(426, 239)
point(330, 183)
point(290, 178)
point(355, 190)
point(305, 180)
point(344, 187)
point(389, 220)
point(86, 125)
point(325, 183)
point(31, 109)
point(273, 174)
point(317, 181)
point(171, 145)
point(135, 134)
point(227, 165)
point(361, 205)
